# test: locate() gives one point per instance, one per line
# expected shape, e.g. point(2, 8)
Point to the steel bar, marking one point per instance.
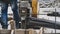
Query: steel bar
point(43, 23)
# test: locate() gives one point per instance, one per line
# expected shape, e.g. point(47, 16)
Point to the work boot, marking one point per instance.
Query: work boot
point(5, 27)
point(18, 25)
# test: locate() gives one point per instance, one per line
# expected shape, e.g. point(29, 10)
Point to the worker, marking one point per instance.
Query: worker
point(4, 15)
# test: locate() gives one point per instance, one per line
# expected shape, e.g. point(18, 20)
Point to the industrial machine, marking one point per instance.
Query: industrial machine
point(33, 21)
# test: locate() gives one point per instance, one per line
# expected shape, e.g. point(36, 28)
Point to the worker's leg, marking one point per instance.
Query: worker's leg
point(15, 12)
point(4, 15)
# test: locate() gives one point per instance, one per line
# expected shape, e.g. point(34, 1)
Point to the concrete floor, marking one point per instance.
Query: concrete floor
point(0, 26)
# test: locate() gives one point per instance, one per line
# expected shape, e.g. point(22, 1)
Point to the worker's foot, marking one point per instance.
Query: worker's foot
point(18, 26)
point(4, 27)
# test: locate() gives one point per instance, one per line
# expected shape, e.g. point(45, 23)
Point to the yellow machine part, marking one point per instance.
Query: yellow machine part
point(34, 8)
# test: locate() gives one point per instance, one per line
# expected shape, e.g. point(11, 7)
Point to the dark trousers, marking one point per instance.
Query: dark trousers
point(4, 15)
